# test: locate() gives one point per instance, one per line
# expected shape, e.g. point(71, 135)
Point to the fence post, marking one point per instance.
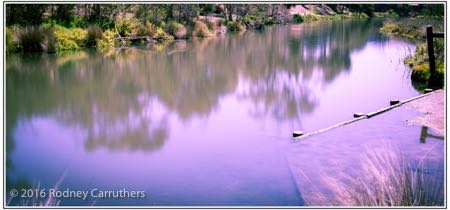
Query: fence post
point(431, 59)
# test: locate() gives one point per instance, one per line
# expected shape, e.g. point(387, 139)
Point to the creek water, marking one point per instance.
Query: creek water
point(194, 122)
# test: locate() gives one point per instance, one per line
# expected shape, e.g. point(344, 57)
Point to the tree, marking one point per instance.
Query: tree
point(25, 14)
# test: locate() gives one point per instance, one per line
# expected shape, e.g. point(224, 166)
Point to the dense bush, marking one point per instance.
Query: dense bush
point(176, 29)
point(63, 26)
point(208, 8)
point(360, 15)
point(419, 64)
point(269, 21)
point(106, 42)
point(297, 18)
point(79, 35)
point(411, 31)
point(420, 56)
point(12, 44)
point(161, 35)
point(127, 25)
point(69, 39)
point(145, 29)
point(201, 29)
point(310, 17)
point(94, 33)
point(257, 21)
point(390, 28)
point(421, 73)
point(389, 13)
point(235, 26)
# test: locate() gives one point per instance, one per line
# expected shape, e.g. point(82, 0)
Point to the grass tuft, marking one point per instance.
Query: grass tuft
point(385, 179)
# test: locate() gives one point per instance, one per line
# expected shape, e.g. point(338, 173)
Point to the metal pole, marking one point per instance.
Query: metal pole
point(431, 59)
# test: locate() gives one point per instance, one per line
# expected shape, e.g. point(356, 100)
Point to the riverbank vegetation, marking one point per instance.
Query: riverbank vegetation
point(385, 179)
point(414, 29)
point(70, 27)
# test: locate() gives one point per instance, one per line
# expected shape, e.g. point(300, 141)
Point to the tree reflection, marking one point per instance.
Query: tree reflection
point(123, 99)
point(107, 98)
point(281, 64)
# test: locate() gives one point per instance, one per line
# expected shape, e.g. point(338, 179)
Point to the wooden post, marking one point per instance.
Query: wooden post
point(431, 59)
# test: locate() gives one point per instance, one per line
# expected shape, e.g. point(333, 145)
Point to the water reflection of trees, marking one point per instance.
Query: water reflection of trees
point(123, 99)
point(280, 65)
point(106, 98)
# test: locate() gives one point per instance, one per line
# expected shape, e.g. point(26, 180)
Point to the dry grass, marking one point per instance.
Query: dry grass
point(385, 179)
point(36, 200)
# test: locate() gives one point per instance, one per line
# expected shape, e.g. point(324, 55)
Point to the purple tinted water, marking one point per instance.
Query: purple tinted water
point(196, 122)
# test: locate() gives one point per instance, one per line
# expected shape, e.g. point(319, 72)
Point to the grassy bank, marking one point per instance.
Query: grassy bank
point(54, 38)
point(69, 27)
point(414, 29)
point(126, 31)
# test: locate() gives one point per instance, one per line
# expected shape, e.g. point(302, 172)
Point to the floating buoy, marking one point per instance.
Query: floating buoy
point(393, 102)
point(297, 133)
point(358, 114)
point(428, 90)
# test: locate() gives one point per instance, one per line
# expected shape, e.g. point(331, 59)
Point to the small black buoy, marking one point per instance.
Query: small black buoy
point(393, 102)
point(297, 133)
point(358, 114)
point(428, 90)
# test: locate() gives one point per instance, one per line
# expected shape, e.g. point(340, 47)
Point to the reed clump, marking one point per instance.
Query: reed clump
point(385, 179)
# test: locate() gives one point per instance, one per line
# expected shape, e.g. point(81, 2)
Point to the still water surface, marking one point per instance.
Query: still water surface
point(197, 122)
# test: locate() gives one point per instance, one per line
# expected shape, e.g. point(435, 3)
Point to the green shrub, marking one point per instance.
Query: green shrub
point(310, 17)
point(412, 28)
point(79, 36)
point(440, 73)
point(12, 44)
point(390, 28)
point(316, 11)
point(389, 13)
point(421, 73)
point(201, 29)
point(69, 39)
point(401, 30)
point(106, 42)
point(94, 33)
point(77, 22)
point(360, 15)
point(339, 17)
point(145, 29)
point(176, 29)
point(297, 18)
point(208, 8)
point(269, 21)
point(161, 35)
point(235, 26)
point(162, 24)
point(127, 25)
point(249, 18)
point(420, 67)
point(420, 56)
